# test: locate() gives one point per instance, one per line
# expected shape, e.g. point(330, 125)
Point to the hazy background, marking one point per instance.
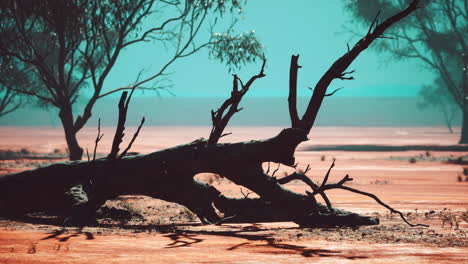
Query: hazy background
point(384, 93)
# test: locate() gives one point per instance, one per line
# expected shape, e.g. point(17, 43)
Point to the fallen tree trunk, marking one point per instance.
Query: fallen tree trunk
point(168, 175)
point(79, 188)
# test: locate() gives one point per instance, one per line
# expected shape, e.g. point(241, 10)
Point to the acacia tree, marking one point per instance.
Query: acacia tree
point(74, 44)
point(169, 174)
point(436, 36)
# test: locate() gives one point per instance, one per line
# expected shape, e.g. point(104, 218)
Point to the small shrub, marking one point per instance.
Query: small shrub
point(8, 154)
point(25, 151)
point(464, 216)
point(447, 217)
point(412, 160)
point(322, 158)
point(378, 182)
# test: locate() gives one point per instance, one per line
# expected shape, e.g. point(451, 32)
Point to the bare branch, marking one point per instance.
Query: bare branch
point(276, 170)
point(219, 118)
point(246, 195)
point(343, 76)
point(381, 203)
point(375, 22)
point(133, 139)
point(119, 131)
point(98, 138)
point(308, 181)
point(292, 98)
point(324, 187)
point(338, 68)
point(298, 176)
point(332, 93)
point(325, 179)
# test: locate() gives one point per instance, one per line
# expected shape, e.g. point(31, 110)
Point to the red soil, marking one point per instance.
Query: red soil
point(427, 184)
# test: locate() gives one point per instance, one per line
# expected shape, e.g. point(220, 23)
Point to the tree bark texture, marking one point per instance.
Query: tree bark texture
point(82, 186)
point(76, 152)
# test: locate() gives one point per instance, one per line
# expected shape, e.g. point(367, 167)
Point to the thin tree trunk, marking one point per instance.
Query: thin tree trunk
point(464, 129)
point(75, 151)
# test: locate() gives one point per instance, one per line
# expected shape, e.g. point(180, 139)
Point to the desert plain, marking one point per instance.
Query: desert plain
point(417, 170)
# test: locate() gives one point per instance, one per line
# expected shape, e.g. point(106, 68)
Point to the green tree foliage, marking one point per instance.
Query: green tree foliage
point(72, 45)
point(436, 36)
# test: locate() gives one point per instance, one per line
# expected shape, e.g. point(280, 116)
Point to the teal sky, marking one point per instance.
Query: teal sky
point(313, 29)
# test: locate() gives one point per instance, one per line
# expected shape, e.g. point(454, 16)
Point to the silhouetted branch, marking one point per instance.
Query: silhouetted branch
point(338, 68)
point(298, 176)
point(119, 131)
point(87, 153)
point(332, 93)
point(325, 179)
point(221, 117)
point(343, 76)
point(308, 181)
point(375, 22)
point(292, 98)
point(246, 195)
point(324, 187)
point(133, 139)
point(98, 138)
point(276, 170)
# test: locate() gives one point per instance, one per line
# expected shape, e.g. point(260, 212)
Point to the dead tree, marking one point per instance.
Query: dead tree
point(79, 188)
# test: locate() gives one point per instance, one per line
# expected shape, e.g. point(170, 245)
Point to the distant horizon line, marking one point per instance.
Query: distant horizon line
point(256, 96)
point(263, 126)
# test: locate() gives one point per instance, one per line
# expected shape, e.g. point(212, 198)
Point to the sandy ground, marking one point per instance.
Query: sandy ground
point(167, 233)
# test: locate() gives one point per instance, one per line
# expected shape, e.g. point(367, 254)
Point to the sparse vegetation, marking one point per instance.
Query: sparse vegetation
point(27, 154)
point(25, 151)
point(449, 218)
point(57, 151)
point(379, 182)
